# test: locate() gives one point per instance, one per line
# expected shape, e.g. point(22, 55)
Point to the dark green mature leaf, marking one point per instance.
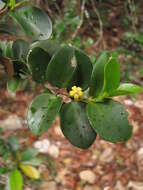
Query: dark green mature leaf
point(84, 70)
point(111, 75)
point(75, 125)
point(15, 180)
point(127, 89)
point(20, 49)
point(60, 69)
point(13, 84)
point(51, 47)
point(42, 112)
point(97, 78)
point(35, 22)
point(38, 60)
point(110, 120)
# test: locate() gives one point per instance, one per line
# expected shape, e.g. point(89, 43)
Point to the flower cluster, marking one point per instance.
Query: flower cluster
point(76, 93)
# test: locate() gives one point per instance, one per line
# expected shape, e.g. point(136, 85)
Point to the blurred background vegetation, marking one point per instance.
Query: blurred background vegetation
point(96, 25)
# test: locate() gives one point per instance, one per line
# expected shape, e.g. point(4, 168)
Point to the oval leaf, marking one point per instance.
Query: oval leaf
point(30, 171)
point(51, 47)
point(35, 22)
point(60, 69)
point(75, 125)
point(15, 181)
point(111, 75)
point(97, 78)
point(42, 112)
point(109, 120)
point(84, 70)
point(127, 89)
point(38, 60)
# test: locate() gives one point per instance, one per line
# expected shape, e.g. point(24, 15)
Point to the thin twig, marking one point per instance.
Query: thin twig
point(100, 39)
point(81, 19)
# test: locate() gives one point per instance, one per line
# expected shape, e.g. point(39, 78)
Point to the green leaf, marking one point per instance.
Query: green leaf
point(13, 84)
point(30, 171)
point(33, 162)
point(42, 112)
point(97, 77)
point(35, 22)
point(110, 120)
point(51, 47)
point(8, 51)
point(111, 75)
point(60, 69)
point(83, 71)
point(13, 143)
point(127, 89)
point(15, 180)
point(2, 4)
point(20, 50)
point(38, 60)
point(75, 125)
point(29, 154)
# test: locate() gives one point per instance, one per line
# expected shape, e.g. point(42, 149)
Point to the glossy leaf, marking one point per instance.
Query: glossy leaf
point(13, 84)
point(38, 60)
point(127, 89)
point(42, 112)
point(15, 181)
point(97, 78)
point(111, 75)
point(110, 120)
point(60, 69)
point(35, 22)
point(51, 47)
point(75, 125)
point(83, 71)
point(30, 171)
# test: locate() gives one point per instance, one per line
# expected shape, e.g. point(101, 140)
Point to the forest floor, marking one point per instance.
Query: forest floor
point(104, 166)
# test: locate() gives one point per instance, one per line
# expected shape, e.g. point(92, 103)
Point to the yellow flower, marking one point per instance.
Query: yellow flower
point(76, 93)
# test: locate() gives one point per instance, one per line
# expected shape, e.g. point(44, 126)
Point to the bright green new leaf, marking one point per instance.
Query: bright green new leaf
point(75, 125)
point(127, 89)
point(97, 77)
point(61, 68)
point(111, 75)
point(13, 84)
point(35, 22)
point(42, 112)
point(15, 181)
point(110, 120)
